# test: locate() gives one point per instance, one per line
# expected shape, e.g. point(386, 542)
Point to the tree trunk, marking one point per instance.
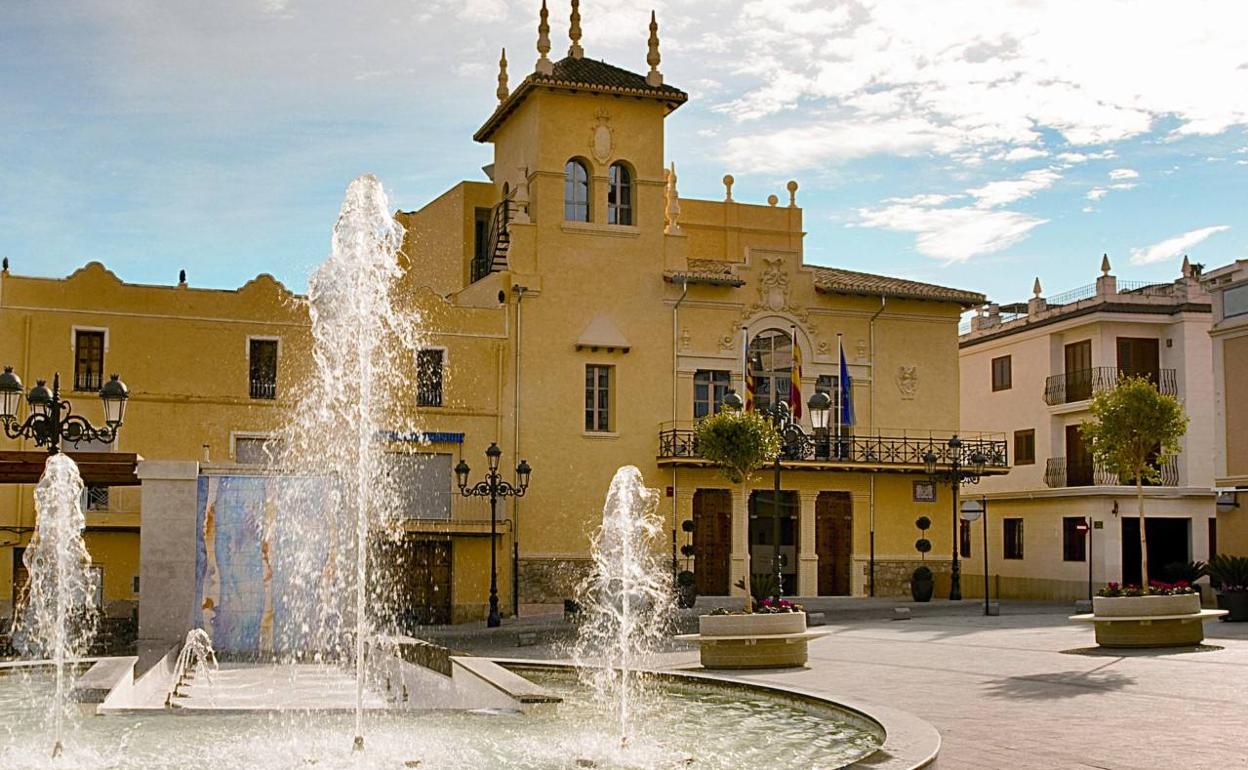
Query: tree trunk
point(1139, 495)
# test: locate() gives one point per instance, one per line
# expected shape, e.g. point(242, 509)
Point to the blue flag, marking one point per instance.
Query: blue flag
point(846, 416)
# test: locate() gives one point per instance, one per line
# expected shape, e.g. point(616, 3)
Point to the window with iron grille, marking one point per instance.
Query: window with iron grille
point(598, 397)
point(1025, 447)
point(1013, 546)
point(88, 360)
point(262, 368)
point(709, 388)
point(1002, 373)
point(96, 497)
point(429, 377)
point(256, 450)
point(1074, 541)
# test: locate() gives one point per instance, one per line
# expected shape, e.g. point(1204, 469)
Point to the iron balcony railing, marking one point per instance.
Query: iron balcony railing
point(1083, 384)
point(88, 381)
point(1061, 472)
point(878, 449)
point(491, 257)
point(263, 388)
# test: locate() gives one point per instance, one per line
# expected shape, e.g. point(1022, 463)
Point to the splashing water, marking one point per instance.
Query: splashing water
point(197, 657)
point(628, 599)
point(362, 343)
point(57, 619)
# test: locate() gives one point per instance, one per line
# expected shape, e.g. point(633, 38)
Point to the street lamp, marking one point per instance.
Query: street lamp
point(493, 487)
point(52, 420)
point(958, 473)
point(794, 443)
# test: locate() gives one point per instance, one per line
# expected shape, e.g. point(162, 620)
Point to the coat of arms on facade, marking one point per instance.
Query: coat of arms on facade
point(907, 380)
point(601, 140)
point(773, 297)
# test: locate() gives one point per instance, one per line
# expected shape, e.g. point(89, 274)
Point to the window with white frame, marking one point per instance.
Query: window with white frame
point(598, 397)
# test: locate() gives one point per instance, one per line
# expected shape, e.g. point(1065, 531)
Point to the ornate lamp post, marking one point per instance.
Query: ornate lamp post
point(959, 471)
point(493, 487)
point(794, 445)
point(51, 420)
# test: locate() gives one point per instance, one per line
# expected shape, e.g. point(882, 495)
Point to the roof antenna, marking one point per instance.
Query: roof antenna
point(544, 65)
point(574, 32)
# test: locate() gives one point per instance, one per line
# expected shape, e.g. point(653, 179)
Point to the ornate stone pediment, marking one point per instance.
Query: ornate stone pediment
point(773, 297)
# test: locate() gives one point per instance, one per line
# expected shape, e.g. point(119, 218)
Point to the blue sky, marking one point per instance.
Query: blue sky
point(975, 144)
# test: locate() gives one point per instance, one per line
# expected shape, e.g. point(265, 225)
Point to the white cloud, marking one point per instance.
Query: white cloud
point(1124, 173)
point(953, 234)
point(1021, 153)
point(1122, 186)
point(809, 146)
point(1009, 190)
point(1173, 247)
point(1096, 193)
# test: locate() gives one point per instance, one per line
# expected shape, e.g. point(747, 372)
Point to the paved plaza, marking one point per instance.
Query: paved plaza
point(1024, 690)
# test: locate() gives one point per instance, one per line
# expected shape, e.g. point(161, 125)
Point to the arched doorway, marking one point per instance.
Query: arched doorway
point(771, 366)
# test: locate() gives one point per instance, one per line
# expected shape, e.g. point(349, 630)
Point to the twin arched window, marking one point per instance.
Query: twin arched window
point(576, 193)
point(771, 366)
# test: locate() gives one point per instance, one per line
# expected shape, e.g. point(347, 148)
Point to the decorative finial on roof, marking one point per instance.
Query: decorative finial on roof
point(772, 200)
point(502, 77)
point(182, 277)
point(574, 32)
point(792, 188)
point(728, 182)
point(1104, 264)
point(4, 267)
point(654, 77)
point(1187, 267)
point(1035, 287)
point(671, 211)
point(544, 65)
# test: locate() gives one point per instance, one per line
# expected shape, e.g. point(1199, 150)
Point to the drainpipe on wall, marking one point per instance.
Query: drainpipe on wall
point(515, 501)
point(871, 493)
point(684, 292)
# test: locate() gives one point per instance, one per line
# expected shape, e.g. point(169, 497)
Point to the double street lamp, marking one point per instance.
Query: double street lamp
point(493, 487)
point(958, 471)
point(52, 420)
point(794, 443)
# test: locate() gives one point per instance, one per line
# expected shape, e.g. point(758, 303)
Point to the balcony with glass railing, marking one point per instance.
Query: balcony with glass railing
point(1083, 384)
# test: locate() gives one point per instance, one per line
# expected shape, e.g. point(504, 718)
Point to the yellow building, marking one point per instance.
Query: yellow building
point(582, 315)
point(1229, 289)
point(1030, 370)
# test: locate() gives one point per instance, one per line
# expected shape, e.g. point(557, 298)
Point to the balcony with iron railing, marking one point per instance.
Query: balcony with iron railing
point(1083, 384)
point(263, 388)
point(901, 450)
point(1062, 472)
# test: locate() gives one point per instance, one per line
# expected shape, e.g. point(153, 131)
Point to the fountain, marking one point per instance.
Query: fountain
point(57, 620)
point(197, 657)
point(628, 599)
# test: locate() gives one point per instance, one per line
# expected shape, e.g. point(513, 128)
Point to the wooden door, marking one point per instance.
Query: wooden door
point(712, 540)
point(421, 579)
point(1078, 459)
point(1139, 357)
point(1079, 371)
point(834, 542)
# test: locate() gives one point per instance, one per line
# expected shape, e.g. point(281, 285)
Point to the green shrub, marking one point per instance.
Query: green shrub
point(684, 578)
point(737, 442)
point(1229, 573)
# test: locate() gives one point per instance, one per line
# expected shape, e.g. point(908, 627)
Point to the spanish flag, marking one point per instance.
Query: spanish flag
point(795, 378)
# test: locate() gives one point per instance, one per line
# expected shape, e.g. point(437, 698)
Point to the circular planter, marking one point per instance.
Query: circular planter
point(1236, 604)
point(757, 624)
point(921, 590)
point(1142, 606)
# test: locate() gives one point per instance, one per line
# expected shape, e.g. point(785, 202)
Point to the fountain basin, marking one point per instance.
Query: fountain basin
point(748, 724)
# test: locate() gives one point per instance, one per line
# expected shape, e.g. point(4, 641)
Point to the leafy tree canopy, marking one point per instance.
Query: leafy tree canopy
point(1134, 428)
point(738, 442)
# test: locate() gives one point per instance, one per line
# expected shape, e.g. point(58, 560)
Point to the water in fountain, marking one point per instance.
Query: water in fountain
point(57, 618)
point(627, 599)
point(196, 658)
point(362, 345)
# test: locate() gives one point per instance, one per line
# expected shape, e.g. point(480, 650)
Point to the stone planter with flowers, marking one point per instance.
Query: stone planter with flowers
point(1162, 615)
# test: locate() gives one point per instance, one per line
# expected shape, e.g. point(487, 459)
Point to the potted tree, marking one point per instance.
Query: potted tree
point(922, 583)
point(1229, 575)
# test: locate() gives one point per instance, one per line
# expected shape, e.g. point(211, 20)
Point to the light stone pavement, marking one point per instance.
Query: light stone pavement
point(1006, 693)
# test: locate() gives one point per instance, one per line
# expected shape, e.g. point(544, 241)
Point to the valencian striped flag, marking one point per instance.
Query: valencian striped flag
point(795, 378)
point(747, 371)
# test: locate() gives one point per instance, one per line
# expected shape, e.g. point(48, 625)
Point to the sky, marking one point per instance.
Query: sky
point(972, 144)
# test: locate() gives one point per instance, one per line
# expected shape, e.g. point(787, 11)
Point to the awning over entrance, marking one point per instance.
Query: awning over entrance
point(113, 469)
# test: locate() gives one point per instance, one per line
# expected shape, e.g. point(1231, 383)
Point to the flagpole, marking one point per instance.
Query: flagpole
point(840, 389)
point(745, 362)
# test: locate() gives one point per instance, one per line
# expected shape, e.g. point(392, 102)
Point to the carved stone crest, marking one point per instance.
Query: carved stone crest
point(773, 297)
point(773, 287)
point(601, 141)
point(907, 380)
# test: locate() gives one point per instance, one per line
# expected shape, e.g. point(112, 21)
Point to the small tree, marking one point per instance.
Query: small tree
point(738, 443)
point(1135, 428)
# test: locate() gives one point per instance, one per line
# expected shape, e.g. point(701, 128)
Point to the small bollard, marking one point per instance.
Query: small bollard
point(526, 638)
point(901, 613)
point(994, 609)
point(816, 619)
point(1083, 605)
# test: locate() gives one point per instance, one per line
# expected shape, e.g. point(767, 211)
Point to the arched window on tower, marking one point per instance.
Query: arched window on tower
point(619, 195)
point(771, 365)
point(575, 192)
